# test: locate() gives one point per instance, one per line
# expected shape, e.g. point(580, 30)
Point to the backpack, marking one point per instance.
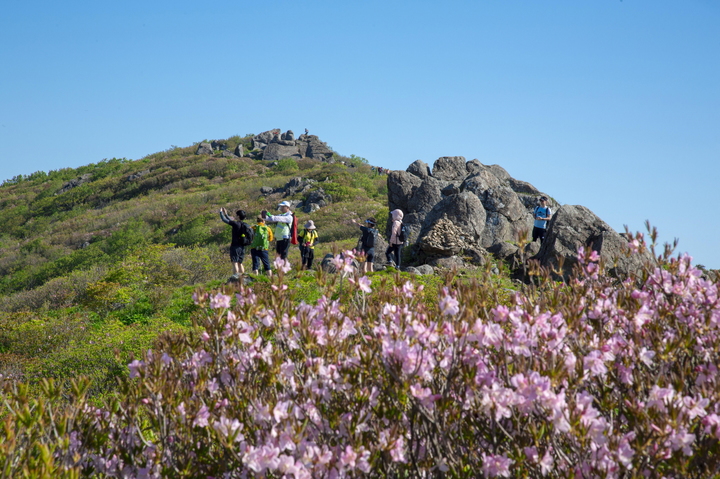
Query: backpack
point(247, 234)
point(369, 237)
point(546, 211)
point(294, 230)
point(263, 237)
point(404, 233)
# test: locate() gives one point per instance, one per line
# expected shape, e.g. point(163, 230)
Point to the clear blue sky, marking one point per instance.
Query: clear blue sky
point(614, 105)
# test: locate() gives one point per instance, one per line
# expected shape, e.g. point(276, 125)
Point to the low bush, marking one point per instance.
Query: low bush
point(584, 379)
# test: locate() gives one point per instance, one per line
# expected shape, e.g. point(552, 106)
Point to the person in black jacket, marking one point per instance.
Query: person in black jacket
point(237, 245)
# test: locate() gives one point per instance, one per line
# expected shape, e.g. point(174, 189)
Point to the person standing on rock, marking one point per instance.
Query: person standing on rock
point(367, 243)
point(396, 243)
point(242, 236)
point(542, 215)
point(282, 229)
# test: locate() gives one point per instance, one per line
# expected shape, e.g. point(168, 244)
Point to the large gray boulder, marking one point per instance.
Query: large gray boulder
point(310, 146)
point(204, 148)
point(574, 226)
point(424, 197)
point(464, 210)
point(507, 217)
point(450, 168)
point(262, 140)
point(420, 169)
point(277, 151)
point(401, 186)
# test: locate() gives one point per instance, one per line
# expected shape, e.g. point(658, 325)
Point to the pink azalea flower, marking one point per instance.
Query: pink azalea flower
point(201, 419)
point(135, 368)
point(594, 363)
point(364, 284)
point(220, 301)
point(449, 306)
point(496, 465)
point(348, 457)
point(282, 264)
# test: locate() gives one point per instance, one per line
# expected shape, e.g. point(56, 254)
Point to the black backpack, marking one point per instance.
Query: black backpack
point(404, 233)
point(247, 234)
point(368, 238)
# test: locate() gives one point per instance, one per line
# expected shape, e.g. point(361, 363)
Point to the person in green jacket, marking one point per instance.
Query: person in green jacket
point(260, 246)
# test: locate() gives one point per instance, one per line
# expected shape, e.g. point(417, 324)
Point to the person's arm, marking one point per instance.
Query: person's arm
point(279, 219)
point(223, 216)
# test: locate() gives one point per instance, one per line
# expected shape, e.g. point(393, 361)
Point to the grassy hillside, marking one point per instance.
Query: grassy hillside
point(95, 271)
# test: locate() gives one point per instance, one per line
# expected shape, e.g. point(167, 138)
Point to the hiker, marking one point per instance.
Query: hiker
point(397, 239)
point(242, 236)
point(369, 235)
point(282, 229)
point(260, 246)
point(307, 238)
point(542, 215)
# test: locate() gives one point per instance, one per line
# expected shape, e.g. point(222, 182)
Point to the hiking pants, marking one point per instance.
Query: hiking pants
point(258, 256)
point(308, 255)
point(394, 253)
point(282, 247)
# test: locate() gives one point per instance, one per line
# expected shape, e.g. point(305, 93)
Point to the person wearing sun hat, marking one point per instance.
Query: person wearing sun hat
point(282, 228)
point(306, 241)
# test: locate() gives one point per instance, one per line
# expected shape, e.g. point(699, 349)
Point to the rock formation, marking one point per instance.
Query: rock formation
point(575, 226)
point(464, 209)
point(275, 146)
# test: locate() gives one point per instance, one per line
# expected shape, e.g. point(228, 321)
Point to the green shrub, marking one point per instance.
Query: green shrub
point(287, 165)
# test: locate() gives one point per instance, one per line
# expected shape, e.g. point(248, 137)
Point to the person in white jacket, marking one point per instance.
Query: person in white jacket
point(282, 229)
point(396, 243)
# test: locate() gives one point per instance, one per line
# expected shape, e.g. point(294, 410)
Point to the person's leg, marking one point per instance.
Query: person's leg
point(370, 260)
point(536, 233)
point(254, 254)
point(265, 258)
point(541, 235)
point(282, 247)
point(303, 255)
point(310, 257)
point(397, 252)
point(388, 254)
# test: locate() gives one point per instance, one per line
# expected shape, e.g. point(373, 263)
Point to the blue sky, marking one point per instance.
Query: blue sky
point(613, 105)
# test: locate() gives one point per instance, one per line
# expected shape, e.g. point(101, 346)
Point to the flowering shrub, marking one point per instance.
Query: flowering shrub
point(585, 379)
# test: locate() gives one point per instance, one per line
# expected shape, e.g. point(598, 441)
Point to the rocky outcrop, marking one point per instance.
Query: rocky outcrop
point(310, 146)
point(74, 183)
point(315, 200)
point(272, 145)
point(450, 168)
point(575, 226)
point(204, 148)
point(276, 151)
point(506, 203)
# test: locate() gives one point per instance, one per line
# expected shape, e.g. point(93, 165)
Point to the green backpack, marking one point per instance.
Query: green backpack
point(262, 237)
